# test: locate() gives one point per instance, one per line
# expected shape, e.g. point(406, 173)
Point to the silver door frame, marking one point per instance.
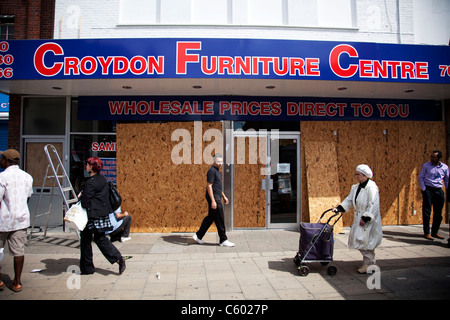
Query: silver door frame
point(269, 182)
point(229, 157)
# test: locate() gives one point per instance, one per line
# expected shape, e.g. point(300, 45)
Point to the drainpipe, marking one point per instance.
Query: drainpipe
point(399, 32)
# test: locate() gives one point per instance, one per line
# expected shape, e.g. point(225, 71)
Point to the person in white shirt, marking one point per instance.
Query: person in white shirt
point(16, 187)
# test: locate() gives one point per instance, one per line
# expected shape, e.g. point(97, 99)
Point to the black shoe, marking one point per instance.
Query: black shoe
point(122, 265)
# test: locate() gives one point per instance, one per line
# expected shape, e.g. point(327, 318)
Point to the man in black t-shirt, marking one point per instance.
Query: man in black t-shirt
point(214, 196)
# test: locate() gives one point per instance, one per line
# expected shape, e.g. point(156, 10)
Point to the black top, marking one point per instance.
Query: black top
point(95, 197)
point(215, 178)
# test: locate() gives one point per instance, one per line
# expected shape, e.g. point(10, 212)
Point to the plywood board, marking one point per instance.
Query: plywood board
point(395, 150)
point(162, 196)
point(322, 179)
point(375, 144)
point(249, 198)
point(417, 142)
point(37, 163)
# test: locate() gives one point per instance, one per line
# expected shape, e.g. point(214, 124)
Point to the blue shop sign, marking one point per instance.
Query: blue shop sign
point(214, 108)
point(223, 59)
point(4, 103)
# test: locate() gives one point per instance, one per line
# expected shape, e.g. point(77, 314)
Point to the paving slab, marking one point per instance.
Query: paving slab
point(259, 267)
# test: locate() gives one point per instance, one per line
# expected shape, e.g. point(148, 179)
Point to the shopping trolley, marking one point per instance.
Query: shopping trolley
point(316, 244)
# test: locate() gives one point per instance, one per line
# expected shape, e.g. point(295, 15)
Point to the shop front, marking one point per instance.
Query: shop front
point(292, 119)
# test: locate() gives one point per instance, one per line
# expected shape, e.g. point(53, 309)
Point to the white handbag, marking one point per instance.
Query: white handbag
point(76, 217)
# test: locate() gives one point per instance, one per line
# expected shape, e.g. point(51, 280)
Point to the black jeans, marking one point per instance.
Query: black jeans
point(216, 216)
point(106, 247)
point(432, 198)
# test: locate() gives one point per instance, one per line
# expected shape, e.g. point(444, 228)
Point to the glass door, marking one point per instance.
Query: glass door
point(283, 196)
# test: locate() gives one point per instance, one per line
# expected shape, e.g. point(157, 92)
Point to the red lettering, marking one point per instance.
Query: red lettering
point(115, 107)
point(380, 69)
point(265, 108)
point(155, 65)
point(422, 70)
point(236, 108)
point(175, 107)
point(243, 65)
point(276, 66)
point(292, 108)
point(393, 65)
point(39, 56)
point(312, 66)
point(320, 109)
point(251, 110)
point(335, 65)
point(224, 106)
point(120, 65)
point(138, 65)
point(276, 108)
point(105, 63)
point(297, 64)
point(309, 109)
point(183, 58)
point(365, 68)
point(212, 69)
point(143, 107)
point(164, 108)
point(208, 107)
point(186, 108)
point(129, 107)
point(92, 65)
point(71, 63)
point(265, 61)
point(407, 70)
point(226, 63)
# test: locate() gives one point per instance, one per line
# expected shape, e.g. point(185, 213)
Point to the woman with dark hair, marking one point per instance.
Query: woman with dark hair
point(94, 198)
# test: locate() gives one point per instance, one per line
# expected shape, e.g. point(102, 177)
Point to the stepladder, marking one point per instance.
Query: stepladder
point(56, 176)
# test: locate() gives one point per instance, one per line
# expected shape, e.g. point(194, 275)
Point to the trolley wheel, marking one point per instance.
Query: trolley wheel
point(332, 270)
point(303, 271)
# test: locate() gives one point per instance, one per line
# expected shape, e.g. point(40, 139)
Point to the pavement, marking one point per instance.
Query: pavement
point(260, 267)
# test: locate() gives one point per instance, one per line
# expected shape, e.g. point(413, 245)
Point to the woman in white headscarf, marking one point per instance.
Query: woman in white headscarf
point(365, 234)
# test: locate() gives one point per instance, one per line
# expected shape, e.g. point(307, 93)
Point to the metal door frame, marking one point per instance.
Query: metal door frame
point(269, 182)
point(229, 158)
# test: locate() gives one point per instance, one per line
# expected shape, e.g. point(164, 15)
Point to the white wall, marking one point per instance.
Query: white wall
point(332, 20)
point(432, 21)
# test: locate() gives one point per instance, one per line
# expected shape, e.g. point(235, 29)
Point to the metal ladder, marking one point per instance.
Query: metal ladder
point(63, 186)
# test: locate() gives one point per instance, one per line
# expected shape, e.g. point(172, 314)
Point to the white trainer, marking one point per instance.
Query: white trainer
point(124, 239)
point(199, 241)
point(227, 243)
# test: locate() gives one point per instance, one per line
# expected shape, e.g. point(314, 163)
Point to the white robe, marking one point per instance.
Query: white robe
point(369, 236)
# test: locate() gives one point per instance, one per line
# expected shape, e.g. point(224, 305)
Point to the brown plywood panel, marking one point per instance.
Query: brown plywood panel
point(162, 196)
point(375, 144)
point(321, 171)
point(37, 163)
point(395, 150)
point(417, 141)
point(249, 198)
